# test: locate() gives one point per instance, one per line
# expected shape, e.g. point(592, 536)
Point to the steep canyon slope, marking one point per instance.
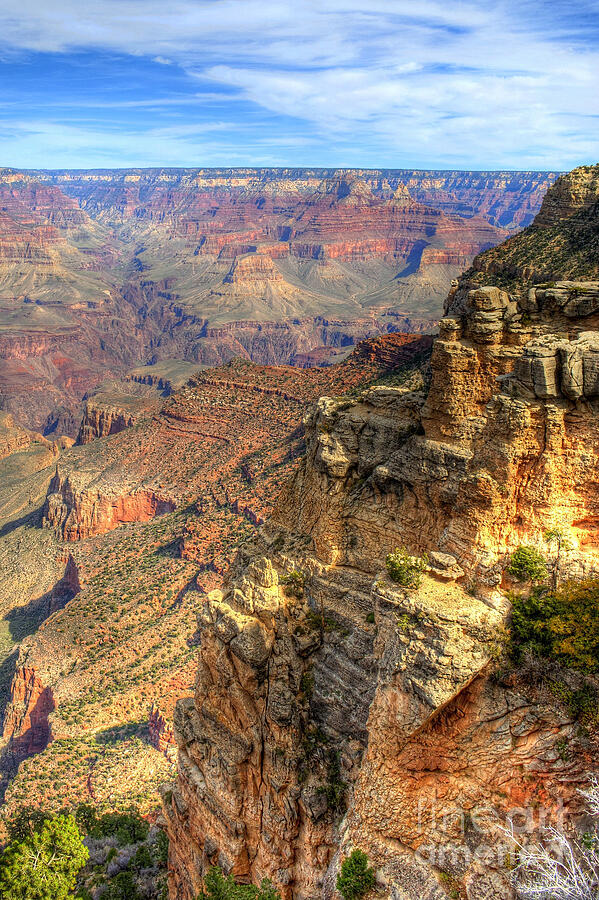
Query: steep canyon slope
point(102, 270)
point(334, 709)
point(108, 547)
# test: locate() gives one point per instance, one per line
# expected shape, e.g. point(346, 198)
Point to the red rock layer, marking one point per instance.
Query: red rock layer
point(26, 720)
point(80, 513)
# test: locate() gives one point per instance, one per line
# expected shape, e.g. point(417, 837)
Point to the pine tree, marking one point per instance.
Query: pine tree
point(43, 865)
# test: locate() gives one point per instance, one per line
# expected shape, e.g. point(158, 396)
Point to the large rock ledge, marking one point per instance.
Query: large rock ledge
point(271, 678)
point(319, 678)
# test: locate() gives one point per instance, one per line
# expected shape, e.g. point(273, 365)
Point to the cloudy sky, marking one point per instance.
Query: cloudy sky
point(505, 84)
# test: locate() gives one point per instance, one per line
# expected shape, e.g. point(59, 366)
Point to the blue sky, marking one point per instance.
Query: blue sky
point(118, 83)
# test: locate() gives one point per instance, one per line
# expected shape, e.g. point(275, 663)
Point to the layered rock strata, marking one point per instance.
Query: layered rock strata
point(334, 709)
point(77, 511)
point(102, 271)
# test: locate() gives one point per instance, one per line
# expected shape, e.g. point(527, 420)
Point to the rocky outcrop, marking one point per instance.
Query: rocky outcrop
point(334, 709)
point(118, 405)
point(570, 194)
point(561, 244)
point(26, 725)
point(12, 438)
point(101, 422)
point(161, 732)
point(258, 759)
point(254, 268)
point(77, 510)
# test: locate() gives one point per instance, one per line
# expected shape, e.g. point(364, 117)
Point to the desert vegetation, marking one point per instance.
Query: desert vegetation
point(83, 853)
point(404, 569)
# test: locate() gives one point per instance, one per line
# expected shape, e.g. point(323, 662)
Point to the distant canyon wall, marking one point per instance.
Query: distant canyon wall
point(103, 270)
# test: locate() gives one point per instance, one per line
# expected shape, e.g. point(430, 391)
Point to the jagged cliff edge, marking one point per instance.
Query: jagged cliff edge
point(347, 679)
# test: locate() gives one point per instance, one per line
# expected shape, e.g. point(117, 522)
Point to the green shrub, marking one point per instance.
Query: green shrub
point(293, 583)
point(143, 858)
point(44, 865)
point(356, 877)
point(161, 849)
point(527, 564)
point(86, 817)
point(220, 887)
point(307, 684)
point(582, 702)
point(335, 788)
point(404, 569)
point(561, 625)
point(127, 827)
point(450, 884)
point(26, 821)
point(122, 887)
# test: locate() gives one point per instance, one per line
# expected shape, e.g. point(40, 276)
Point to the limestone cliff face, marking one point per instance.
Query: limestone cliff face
point(334, 709)
point(570, 194)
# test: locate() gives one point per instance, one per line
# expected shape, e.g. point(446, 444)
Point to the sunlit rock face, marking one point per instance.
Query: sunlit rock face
point(318, 677)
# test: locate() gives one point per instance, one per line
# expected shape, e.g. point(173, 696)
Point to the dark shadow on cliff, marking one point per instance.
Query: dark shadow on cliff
point(7, 670)
point(117, 733)
point(413, 261)
point(170, 550)
point(32, 519)
point(25, 620)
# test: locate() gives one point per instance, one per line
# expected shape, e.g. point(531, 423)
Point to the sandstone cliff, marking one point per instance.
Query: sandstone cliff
point(77, 508)
point(334, 709)
point(100, 422)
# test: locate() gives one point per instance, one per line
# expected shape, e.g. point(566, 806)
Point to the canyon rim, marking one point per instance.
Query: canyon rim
point(299, 431)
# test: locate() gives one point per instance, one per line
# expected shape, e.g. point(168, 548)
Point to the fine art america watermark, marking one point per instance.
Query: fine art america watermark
point(461, 837)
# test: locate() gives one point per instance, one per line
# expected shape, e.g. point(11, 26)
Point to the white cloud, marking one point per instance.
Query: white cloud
point(505, 82)
point(214, 144)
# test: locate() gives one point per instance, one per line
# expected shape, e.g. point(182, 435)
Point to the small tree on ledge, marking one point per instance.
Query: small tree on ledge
point(527, 564)
point(356, 877)
point(405, 569)
point(556, 536)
